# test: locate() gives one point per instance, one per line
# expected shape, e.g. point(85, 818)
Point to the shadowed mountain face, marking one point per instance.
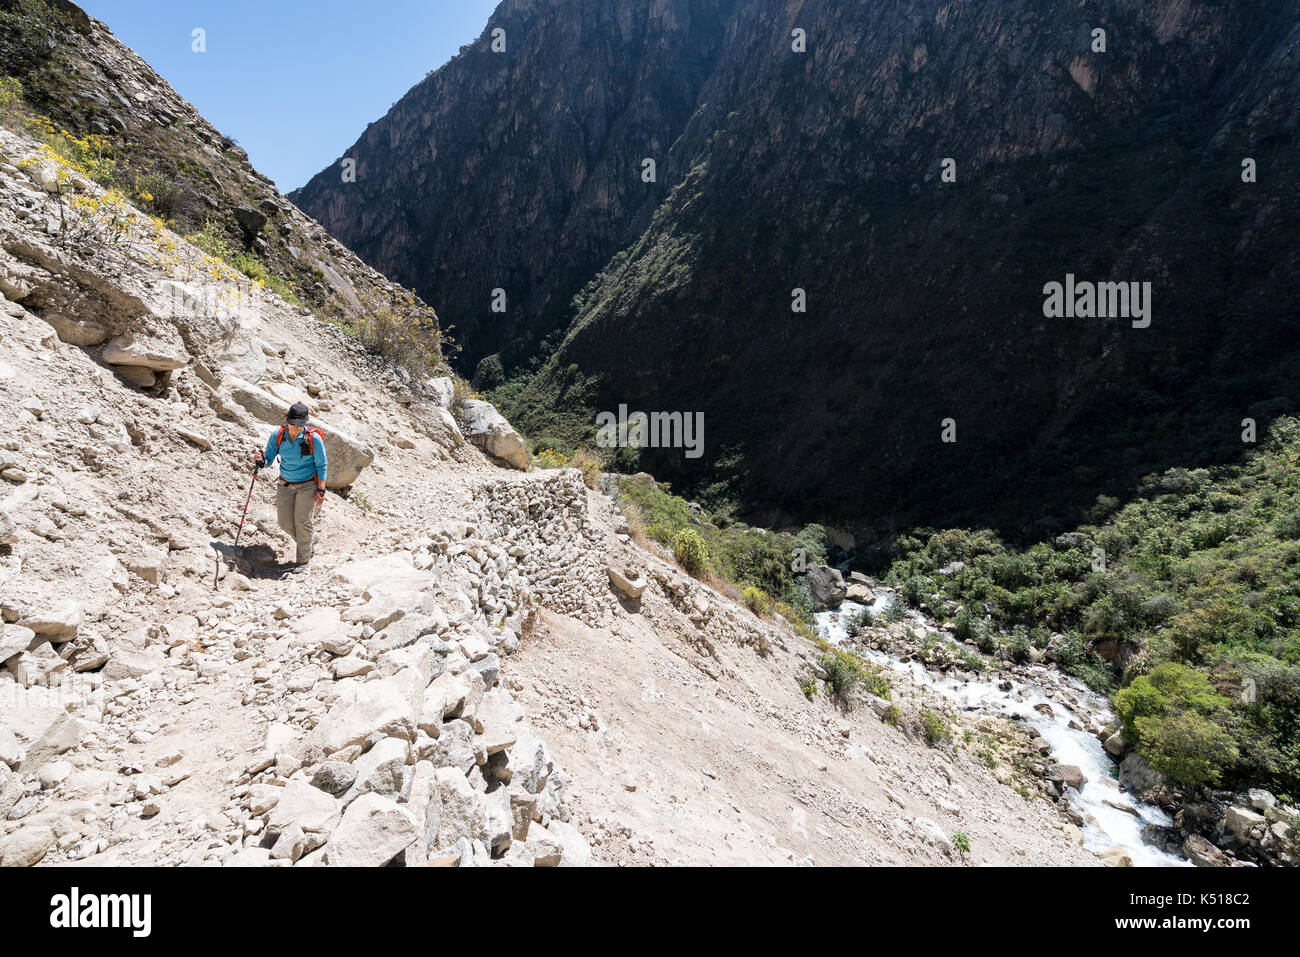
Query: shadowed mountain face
point(521, 170)
point(823, 171)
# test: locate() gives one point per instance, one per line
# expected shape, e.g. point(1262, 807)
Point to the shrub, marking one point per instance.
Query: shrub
point(489, 373)
point(845, 672)
point(461, 392)
point(589, 465)
point(934, 728)
point(842, 675)
point(1180, 723)
point(812, 539)
point(549, 443)
point(758, 601)
point(550, 459)
point(962, 627)
point(962, 842)
point(158, 194)
point(860, 622)
point(808, 685)
point(91, 156)
point(402, 329)
point(691, 552)
point(895, 612)
point(11, 94)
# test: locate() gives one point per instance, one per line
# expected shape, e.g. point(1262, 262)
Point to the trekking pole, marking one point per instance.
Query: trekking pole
point(217, 577)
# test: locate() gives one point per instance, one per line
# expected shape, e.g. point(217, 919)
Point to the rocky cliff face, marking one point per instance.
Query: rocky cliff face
point(824, 171)
point(521, 170)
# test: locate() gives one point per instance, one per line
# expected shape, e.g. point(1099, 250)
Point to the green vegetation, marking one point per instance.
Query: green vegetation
point(962, 842)
point(714, 545)
point(757, 600)
point(552, 458)
point(1193, 591)
point(934, 728)
point(846, 672)
point(1184, 727)
point(213, 241)
point(808, 685)
point(690, 551)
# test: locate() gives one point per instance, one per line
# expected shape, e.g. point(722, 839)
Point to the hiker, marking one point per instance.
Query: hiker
point(302, 477)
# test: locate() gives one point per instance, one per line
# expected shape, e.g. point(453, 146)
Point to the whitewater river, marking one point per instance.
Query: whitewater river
point(1101, 801)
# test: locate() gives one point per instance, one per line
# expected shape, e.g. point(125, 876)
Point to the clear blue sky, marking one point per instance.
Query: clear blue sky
point(294, 82)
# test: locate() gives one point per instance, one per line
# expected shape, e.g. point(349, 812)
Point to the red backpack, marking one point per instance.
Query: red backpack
point(308, 431)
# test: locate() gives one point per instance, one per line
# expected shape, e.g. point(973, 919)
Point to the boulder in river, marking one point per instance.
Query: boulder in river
point(1116, 857)
point(859, 589)
point(1068, 774)
point(1139, 777)
point(1202, 853)
point(826, 585)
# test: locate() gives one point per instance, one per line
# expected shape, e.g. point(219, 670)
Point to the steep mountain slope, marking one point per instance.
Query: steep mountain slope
point(520, 170)
point(822, 171)
point(150, 144)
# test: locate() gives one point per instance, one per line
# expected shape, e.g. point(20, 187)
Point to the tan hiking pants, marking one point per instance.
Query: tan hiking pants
point(296, 510)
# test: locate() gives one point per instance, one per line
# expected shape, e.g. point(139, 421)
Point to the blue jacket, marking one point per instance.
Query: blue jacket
point(295, 464)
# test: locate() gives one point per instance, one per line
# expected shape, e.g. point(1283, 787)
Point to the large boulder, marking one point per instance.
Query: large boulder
point(488, 429)
point(346, 455)
point(60, 620)
point(441, 390)
point(463, 810)
point(14, 639)
point(152, 354)
point(1239, 821)
point(374, 830)
point(42, 726)
point(859, 589)
point(1070, 775)
point(1116, 857)
point(1202, 853)
point(389, 575)
point(225, 320)
point(250, 219)
point(574, 850)
point(361, 710)
point(826, 585)
point(628, 583)
point(1137, 776)
point(301, 805)
point(76, 332)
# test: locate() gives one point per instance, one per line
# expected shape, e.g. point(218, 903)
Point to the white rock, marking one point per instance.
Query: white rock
point(27, 846)
point(149, 354)
point(375, 707)
point(488, 429)
point(310, 808)
point(374, 830)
